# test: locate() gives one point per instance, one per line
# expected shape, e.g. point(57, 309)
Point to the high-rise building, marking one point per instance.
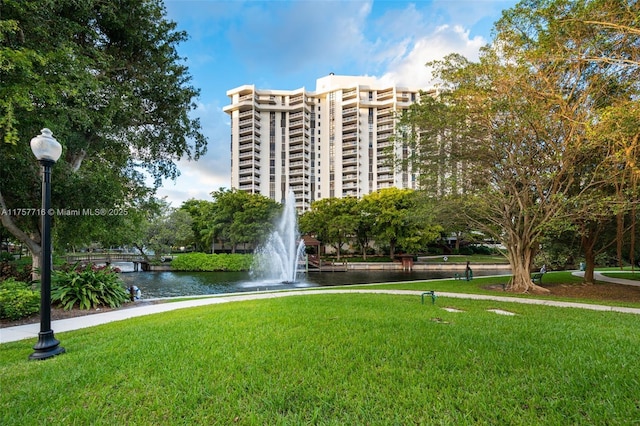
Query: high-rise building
point(334, 142)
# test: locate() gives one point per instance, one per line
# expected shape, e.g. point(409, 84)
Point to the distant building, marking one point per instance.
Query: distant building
point(334, 142)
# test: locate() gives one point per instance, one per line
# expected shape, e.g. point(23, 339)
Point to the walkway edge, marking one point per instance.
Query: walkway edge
point(12, 334)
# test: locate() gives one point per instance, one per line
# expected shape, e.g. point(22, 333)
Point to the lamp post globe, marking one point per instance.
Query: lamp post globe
point(47, 150)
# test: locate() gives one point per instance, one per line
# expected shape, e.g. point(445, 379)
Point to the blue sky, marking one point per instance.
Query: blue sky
point(287, 45)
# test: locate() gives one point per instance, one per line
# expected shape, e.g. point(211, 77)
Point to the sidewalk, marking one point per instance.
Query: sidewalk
point(30, 331)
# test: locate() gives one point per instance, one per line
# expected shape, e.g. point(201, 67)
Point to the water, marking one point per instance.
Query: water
point(173, 284)
point(277, 260)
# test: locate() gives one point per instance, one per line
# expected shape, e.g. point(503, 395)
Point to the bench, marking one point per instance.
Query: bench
point(537, 278)
point(430, 293)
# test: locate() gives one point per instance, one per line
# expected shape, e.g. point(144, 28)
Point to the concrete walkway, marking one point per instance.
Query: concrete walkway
point(599, 277)
point(30, 331)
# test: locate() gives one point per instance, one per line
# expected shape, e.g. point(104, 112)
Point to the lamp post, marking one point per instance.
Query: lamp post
point(47, 150)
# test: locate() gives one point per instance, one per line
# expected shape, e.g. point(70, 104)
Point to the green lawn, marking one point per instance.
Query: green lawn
point(335, 359)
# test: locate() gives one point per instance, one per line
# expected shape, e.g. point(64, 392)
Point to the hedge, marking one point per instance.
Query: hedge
point(212, 262)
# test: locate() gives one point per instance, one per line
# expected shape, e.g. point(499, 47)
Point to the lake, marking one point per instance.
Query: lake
point(174, 284)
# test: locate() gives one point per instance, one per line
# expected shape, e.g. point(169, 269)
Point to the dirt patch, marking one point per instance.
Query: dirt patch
point(594, 292)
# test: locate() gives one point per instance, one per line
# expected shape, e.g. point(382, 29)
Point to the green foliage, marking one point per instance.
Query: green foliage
point(18, 269)
point(212, 262)
point(107, 79)
point(238, 217)
point(17, 300)
point(88, 288)
point(5, 256)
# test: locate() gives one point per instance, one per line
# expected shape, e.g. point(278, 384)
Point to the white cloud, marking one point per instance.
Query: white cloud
point(409, 69)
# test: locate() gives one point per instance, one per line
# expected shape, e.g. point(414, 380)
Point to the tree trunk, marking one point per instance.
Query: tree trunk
point(32, 243)
point(588, 243)
point(521, 258)
point(392, 249)
point(620, 238)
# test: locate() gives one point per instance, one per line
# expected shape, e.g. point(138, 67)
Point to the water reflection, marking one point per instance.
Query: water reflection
point(172, 284)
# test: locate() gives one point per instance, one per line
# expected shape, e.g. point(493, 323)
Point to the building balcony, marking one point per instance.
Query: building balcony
point(295, 100)
point(249, 122)
point(297, 124)
point(349, 111)
point(248, 155)
point(296, 133)
point(349, 93)
point(248, 130)
point(349, 153)
point(251, 164)
point(249, 114)
point(384, 95)
point(350, 161)
point(294, 180)
point(297, 155)
point(384, 185)
point(266, 99)
point(249, 179)
point(351, 136)
point(386, 119)
point(249, 187)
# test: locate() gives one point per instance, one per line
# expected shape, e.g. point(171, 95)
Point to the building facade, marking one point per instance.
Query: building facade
point(334, 142)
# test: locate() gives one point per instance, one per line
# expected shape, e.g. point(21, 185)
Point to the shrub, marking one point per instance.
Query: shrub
point(17, 300)
point(5, 256)
point(212, 262)
point(88, 287)
point(14, 269)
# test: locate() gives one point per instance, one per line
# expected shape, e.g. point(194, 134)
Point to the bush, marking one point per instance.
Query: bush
point(192, 262)
point(17, 300)
point(5, 256)
point(20, 271)
point(88, 287)
point(480, 249)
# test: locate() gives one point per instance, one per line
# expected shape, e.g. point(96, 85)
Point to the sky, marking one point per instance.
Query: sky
point(288, 44)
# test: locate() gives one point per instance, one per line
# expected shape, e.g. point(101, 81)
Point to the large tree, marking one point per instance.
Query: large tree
point(239, 217)
point(526, 107)
point(107, 79)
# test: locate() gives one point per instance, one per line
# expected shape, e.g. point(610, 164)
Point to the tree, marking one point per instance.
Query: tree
point(331, 220)
point(400, 220)
point(526, 106)
point(201, 212)
point(169, 230)
point(106, 78)
point(240, 217)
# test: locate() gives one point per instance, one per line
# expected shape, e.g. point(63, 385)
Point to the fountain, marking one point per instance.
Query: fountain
point(278, 259)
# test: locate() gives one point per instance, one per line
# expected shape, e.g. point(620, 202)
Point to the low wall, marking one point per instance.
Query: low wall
point(445, 266)
point(158, 268)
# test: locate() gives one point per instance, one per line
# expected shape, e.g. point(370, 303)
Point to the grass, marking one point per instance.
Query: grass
point(478, 286)
point(335, 359)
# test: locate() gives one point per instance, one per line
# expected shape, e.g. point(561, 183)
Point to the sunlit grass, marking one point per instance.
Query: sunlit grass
point(335, 359)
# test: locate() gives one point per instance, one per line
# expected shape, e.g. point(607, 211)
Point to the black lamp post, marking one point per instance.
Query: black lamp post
point(47, 150)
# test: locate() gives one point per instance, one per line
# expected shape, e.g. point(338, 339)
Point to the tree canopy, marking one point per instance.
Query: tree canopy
point(106, 78)
point(520, 133)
